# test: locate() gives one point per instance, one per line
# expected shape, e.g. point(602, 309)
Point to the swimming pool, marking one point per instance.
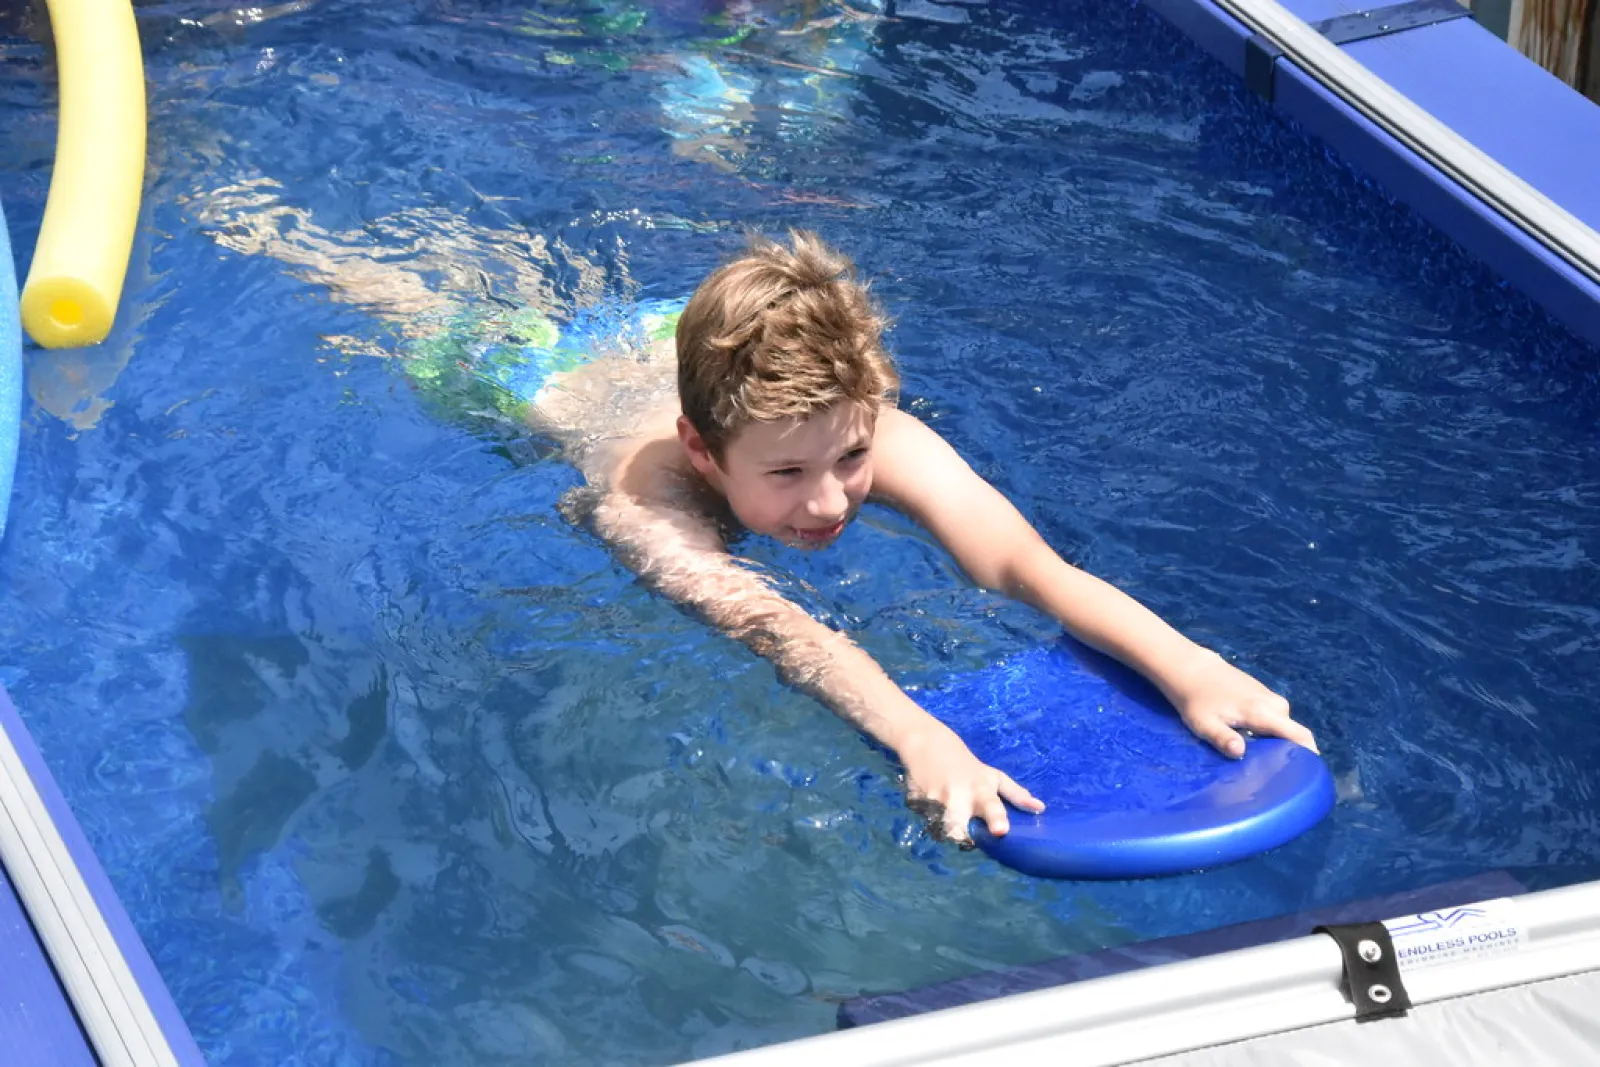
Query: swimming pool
point(391, 765)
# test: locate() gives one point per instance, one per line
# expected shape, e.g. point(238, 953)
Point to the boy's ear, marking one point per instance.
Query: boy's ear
point(694, 445)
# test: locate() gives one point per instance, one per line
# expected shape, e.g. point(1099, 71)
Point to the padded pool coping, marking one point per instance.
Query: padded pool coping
point(108, 968)
point(1526, 119)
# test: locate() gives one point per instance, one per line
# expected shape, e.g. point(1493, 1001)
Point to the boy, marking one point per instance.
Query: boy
point(781, 417)
point(784, 421)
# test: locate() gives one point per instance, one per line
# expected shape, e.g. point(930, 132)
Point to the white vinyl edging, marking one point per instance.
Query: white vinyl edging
point(104, 993)
point(1524, 206)
point(1234, 996)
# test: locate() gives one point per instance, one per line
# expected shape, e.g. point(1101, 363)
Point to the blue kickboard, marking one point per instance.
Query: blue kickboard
point(1129, 791)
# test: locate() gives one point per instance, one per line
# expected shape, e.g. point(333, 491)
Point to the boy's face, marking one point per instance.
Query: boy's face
point(800, 481)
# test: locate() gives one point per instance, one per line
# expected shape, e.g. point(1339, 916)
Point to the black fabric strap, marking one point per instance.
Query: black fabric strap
point(1371, 970)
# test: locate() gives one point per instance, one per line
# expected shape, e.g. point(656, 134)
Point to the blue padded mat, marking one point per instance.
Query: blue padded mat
point(1130, 792)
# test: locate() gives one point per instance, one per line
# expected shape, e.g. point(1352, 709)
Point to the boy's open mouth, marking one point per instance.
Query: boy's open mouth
point(821, 533)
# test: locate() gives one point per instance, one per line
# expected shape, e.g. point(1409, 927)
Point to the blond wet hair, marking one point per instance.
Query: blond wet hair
point(785, 331)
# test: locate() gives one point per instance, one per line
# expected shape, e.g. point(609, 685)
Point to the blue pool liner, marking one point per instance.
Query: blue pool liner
point(1129, 791)
point(10, 370)
point(1486, 91)
point(876, 1008)
point(45, 1005)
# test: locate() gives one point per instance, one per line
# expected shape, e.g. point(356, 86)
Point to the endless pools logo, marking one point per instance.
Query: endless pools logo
point(1430, 922)
point(1451, 934)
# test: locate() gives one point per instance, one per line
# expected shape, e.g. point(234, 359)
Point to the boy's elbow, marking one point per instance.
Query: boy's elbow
point(1017, 573)
point(762, 622)
point(780, 632)
point(989, 568)
point(761, 631)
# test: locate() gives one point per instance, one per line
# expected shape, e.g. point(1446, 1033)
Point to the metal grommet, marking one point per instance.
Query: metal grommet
point(1370, 976)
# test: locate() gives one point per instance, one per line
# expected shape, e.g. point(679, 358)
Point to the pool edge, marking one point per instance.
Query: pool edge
point(93, 946)
point(1504, 248)
point(1199, 1004)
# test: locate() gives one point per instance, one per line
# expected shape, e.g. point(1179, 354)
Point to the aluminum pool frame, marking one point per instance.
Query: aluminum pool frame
point(1194, 1004)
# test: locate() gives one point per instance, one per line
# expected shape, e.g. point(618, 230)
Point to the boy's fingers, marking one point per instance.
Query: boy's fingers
point(993, 813)
point(1018, 796)
point(1271, 716)
point(1222, 737)
point(1287, 729)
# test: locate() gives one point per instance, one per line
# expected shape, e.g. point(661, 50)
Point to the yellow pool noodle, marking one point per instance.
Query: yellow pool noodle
point(81, 259)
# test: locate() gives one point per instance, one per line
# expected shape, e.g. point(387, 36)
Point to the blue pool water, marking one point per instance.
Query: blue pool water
point(392, 765)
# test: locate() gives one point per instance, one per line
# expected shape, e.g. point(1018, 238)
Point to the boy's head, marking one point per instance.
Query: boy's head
point(781, 370)
point(783, 332)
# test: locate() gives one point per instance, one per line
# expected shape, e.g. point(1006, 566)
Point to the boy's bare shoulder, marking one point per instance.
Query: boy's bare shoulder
point(908, 456)
point(648, 467)
point(650, 470)
point(654, 511)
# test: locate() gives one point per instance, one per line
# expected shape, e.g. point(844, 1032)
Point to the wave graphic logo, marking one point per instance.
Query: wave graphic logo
point(1432, 922)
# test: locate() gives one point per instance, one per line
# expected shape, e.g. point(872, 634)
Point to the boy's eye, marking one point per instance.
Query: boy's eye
point(855, 455)
point(785, 472)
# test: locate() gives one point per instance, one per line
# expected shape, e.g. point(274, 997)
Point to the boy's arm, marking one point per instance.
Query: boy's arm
point(681, 555)
point(917, 471)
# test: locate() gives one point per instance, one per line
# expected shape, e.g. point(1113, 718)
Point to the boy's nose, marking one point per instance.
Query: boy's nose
point(829, 500)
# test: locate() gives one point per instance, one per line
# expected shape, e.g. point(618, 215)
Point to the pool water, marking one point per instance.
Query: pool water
point(392, 765)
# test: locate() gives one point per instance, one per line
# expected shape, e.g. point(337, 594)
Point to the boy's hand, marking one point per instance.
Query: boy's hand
point(1216, 699)
point(949, 786)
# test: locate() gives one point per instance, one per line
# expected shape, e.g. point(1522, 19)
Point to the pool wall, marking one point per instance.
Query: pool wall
point(1526, 119)
point(1220, 1000)
point(37, 1023)
point(118, 998)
